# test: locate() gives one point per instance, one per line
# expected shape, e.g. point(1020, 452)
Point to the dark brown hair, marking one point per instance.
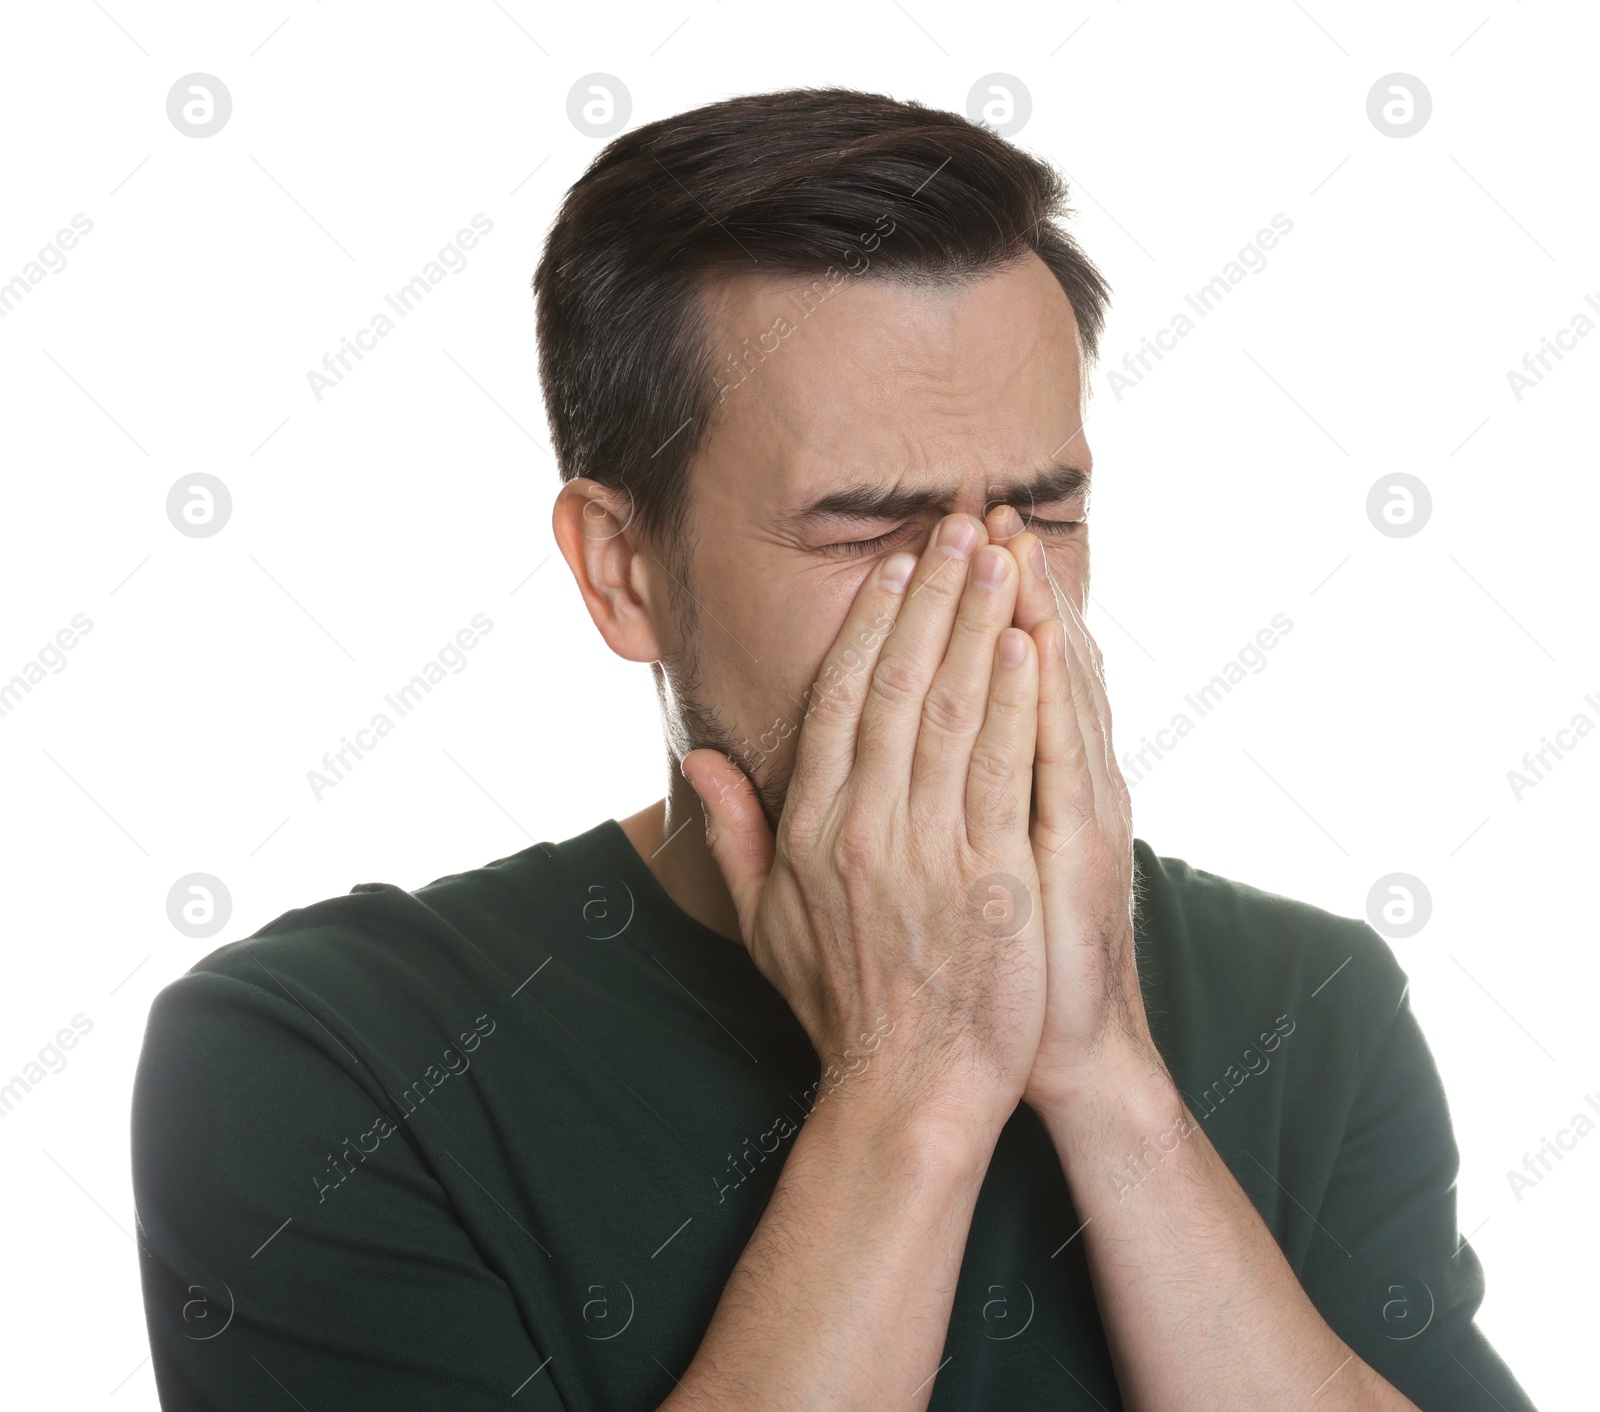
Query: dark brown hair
point(788, 182)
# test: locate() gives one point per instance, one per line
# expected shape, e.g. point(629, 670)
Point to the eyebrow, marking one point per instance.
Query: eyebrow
point(1054, 483)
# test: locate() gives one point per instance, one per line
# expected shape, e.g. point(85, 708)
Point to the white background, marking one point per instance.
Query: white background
point(369, 527)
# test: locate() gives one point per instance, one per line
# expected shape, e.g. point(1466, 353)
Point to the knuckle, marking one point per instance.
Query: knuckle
point(991, 764)
point(875, 736)
point(949, 710)
point(1069, 757)
point(853, 848)
point(947, 582)
point(977, 631)
point(979, 609)
point(801, 821)
point(896, 680)
point(1011, 702)
point(830, 693)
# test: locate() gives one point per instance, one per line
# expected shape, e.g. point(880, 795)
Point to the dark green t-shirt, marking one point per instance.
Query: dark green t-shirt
point(506, 1136)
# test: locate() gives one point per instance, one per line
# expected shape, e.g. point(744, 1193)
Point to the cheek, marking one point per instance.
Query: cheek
point(1069, 568)
point(760, 656)
point(815, 662)
point(805, 659)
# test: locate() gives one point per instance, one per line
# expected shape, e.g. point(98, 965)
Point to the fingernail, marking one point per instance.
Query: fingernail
point(958, 536)
point(896, 571)
point(1013, 648)
point(1036, 560)
point(990, 569)
point(1007, 522)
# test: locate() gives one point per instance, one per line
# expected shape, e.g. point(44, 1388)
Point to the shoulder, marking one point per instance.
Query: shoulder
point(380, 979)
point(1220, 954)
point(380, 937)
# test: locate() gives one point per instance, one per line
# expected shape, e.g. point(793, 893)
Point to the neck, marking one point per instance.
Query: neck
point(670, 836)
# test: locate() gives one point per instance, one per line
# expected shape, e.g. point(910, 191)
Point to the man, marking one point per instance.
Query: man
point(877, 1064)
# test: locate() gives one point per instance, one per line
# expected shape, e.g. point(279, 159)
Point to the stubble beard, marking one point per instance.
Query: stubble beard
point(692, 721)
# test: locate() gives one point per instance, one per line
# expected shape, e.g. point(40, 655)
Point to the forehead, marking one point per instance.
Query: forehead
point(867, 381)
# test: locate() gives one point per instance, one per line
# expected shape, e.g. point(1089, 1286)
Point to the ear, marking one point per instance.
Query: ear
point(621, 584)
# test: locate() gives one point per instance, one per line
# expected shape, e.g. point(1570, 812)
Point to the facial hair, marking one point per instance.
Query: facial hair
point(693, 723)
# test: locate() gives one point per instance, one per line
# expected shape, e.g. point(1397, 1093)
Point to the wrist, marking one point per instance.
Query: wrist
point(933, 1127)
point(1125, 1081)
point(1110, 1138)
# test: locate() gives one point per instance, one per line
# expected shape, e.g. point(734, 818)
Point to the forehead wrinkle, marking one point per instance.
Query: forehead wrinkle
point(893, 500)
point(872, 502)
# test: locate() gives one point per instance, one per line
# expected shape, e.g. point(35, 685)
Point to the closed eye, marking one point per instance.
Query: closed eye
point(1034, 523)
point(881, 542)
point(873, 545)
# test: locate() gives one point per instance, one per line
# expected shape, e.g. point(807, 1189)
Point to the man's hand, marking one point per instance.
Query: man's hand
point(1200, 1307)
point(898, 895)
point(1082, 836)
point(895, 912)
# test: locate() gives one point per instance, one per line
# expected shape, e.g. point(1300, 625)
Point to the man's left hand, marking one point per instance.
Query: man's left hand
point(1095, 1030)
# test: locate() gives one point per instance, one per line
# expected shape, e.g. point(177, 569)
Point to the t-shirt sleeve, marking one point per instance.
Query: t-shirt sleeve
point(294, 1247)
point(1387, 1267)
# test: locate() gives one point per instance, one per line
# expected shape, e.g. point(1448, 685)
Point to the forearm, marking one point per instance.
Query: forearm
point(1200, 1307)
point(843, 1295)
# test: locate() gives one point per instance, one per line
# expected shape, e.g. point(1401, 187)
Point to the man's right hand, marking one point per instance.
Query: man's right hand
point(897, 902)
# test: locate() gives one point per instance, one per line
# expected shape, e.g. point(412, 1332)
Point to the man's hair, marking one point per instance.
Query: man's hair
point(793, 182)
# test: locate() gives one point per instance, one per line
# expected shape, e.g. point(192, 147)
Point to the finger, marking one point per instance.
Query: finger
point(999, 783)
point(1081, 662)
point(1036, 593)
point(1072, 734)
point(736, 830)
point(1083, 643)
point(1040, 599)
point(1034, 598)
point(958, 698)
point(1063, 789)
point(825, 752)
point(1095, 708)
point(892, 714)
point(1003, 523)
point(1075, 754)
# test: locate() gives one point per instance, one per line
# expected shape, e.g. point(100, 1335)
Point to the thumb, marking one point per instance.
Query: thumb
point(736, 830)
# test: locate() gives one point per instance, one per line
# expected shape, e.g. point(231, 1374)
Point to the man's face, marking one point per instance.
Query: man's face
point(882, 410)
